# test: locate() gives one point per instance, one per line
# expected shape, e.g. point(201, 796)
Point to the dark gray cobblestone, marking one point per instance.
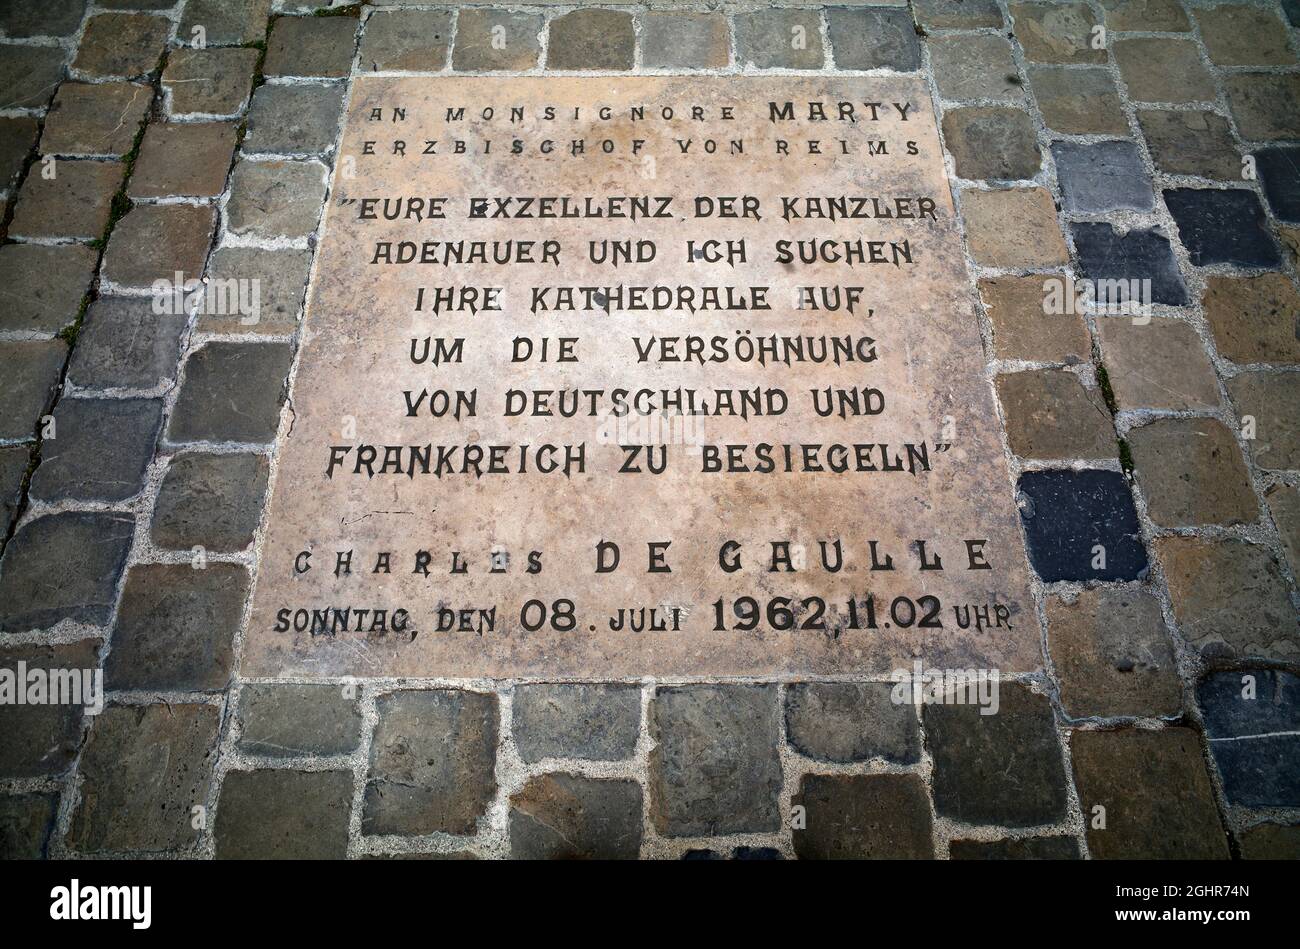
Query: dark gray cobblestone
point(595, 722)
point(42, 740)
point(289, 721)
point(210, 501)
point(100, 452)
point(44, 285)
point(232, 392)
point(285, 815)
point(843, 722)
point(294, 120)
point(567, 817)
point(124, 344)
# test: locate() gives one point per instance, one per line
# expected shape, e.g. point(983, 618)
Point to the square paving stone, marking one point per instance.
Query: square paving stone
point(1222, 227)
point(32, 371)
point(48, 18)
point(232, 393)
point(311, 46)
point(100, 450)
point(190, 159)
point(1163, 70)
point(128, 45)
point(124, 344)
point(967, 15)
point(283, 815)
point(1013, 228)
point(593, 39)
point(974, 66)
point(210, 501)
point(777, 39)
point(715, 768)
point(873, 38)
point(1068, 514)
point(275, 198)
point(1130, 775)
point(1284, 504)
point(44, 285)
point(1279, 173)
point(1252, 718)
point(1265, 105)
point(1154, 16)
point(1078, 101)
point(1023, 848)
point(43, 740)
point(1230, 598)
point(17, 141)
point(211, 82)
point(1022, 329)
point(270, 289)
point(30, 74)
point(988, 142)
point(1056, 32)
point(1140, 255)
point(1192, 473)
point(1157, 364)
point(1270, 399)
point(176, 628)
point(25, 824)
point(1049, 414)
point(571, 817)
point(63, 567)
point(1102, 176)
point(294, 120)
point(285, 721)
point(684, 41)
point(157, 241)
point(1254, 319)
point(478, 49)
point(848, 721)
point(1191, 143)
point(74, 204)
point(1113, 655)
point(863, 817)
point(596, 722)
point(13, 468)
point(144, 769)
point(225, 22)
point(1237, 34)
point(1270, 841)
point(432, 763)
point(99, 119)
point(1002, 768)
point(406, 39)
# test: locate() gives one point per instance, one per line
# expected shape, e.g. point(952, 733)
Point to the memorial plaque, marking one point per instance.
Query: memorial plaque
point(613, 377)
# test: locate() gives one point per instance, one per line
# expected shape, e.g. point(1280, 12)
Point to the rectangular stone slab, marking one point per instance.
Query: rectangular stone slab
point(350, 481)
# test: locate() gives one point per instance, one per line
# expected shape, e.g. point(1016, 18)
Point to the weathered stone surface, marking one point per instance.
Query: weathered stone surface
point(591, 39)
point(13, 467)
point(1252, 718)
point(49, 18)
point(283, 815)
point(144, 769)
point(1230, 598)
point(1113, 655)
point(30, 74)
point(569, 817)
point(599, 722)
point(714, 768)
point(1191, 143)
point(43, 740)
point(1265, 105)
point(1163, 70)
point(1254, 319)
point(1222, 227)
point(1158, 364)
point(17, 141)
point(475, 51)
point(1270, 842)
point(974, 66)
point(157, 241)
point(129, 45)
point(847, 721)
point(210, 501)
point(1102, 176)
point(872, 38)
point(280, 278)
point(32, 372)
point(1292, 10)
point(311, 46)
point(1067, 514)
point(1021, 327)
point(1192, 473)
point(1270, 399)
point(212, 82)
point(1141, 254)
point(779, 39)
point(124, 344)
point(285, 720)
point(988, 142)
point(188, 159)
point(232, 393)
point(863, 817)
point(1056, 32)
point(432, 763)
point(43, 285)
point(1284, 505)
point(272, 199)
point(75, 203)
point(1078, 101)
point(100, 450)
point(1023, 848)
point(1049, 414)
point(294, 120)
point(1129, 773)
point(25, 824)
point(1013, 228)
point(98, 119)
point(967, 15)
point(176, 628)
point(1277, 174)
point(1159, 16)
point(685, 41)
point(406, 39)
point(1237, 34)
point(225, 22)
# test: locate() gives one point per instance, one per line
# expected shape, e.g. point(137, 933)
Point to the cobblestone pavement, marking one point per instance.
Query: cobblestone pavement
point(1097, 138)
